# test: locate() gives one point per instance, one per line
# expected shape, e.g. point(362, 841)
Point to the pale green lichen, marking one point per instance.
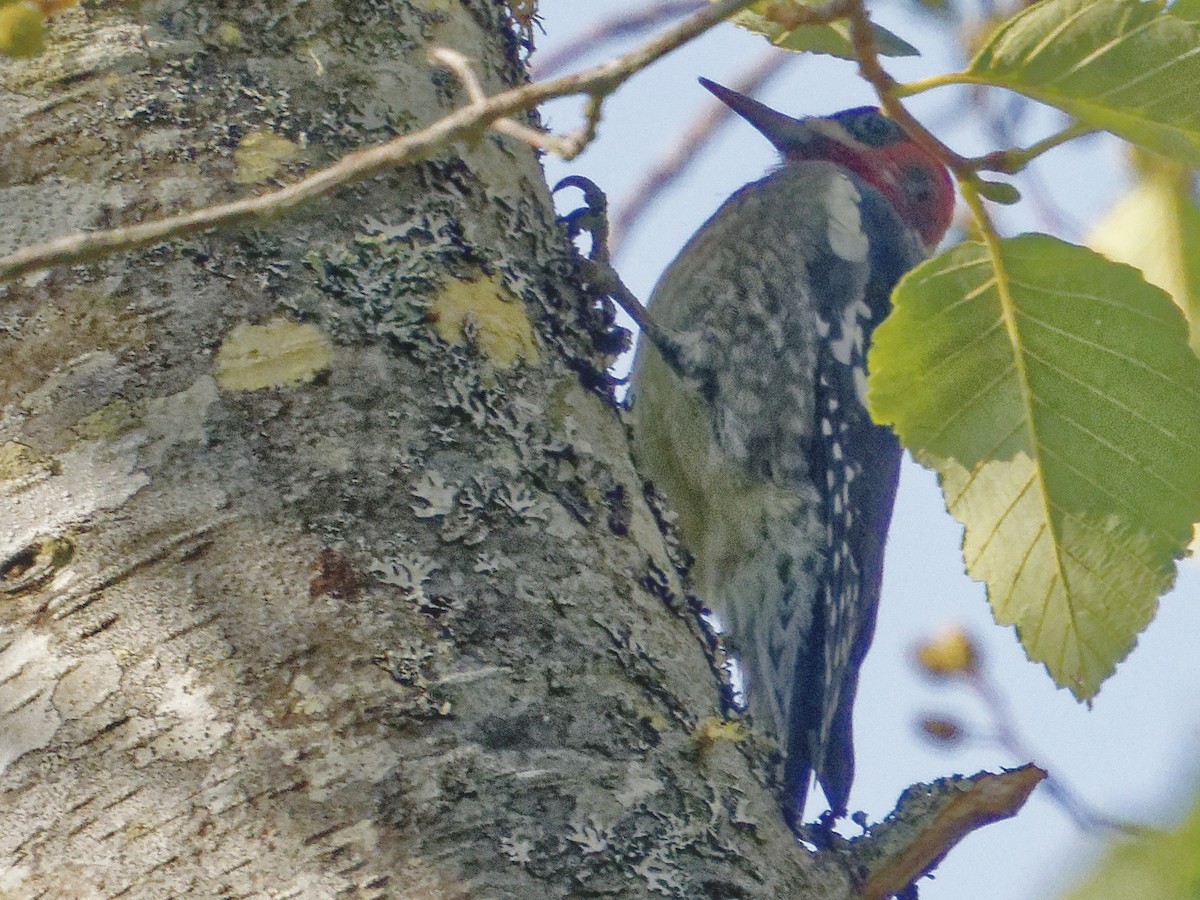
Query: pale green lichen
point(109, 421)
point(487, 315)
point(279, 354)
point(228, 35)
point(260, 155)
point(22, 30)
point(18, 464)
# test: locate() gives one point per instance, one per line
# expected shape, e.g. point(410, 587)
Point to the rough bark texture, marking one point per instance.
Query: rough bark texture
point(323, 567)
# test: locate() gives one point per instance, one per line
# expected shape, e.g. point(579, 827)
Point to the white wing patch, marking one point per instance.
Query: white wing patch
point(846, 237)
point(851, 343)
point(860, 384)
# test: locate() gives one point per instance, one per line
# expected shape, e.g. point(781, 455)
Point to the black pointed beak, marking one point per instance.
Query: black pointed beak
point(791, 137)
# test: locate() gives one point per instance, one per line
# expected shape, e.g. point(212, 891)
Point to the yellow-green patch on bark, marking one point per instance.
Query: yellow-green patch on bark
point(488, 314)
point(443, 6)
point(277, 354)
point(110, 420)
point(228, 35)
point(22, 30)
point(18, 463)
point(260, 155)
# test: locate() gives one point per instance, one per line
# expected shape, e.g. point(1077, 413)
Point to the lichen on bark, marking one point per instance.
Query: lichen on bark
point(396, 626)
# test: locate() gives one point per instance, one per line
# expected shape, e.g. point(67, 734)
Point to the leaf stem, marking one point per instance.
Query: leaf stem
point(908, 89)
point(1013, 160)
point(983, 221)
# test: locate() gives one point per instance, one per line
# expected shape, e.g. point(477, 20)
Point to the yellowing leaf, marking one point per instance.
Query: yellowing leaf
point(767, 17)
point(1054, 393)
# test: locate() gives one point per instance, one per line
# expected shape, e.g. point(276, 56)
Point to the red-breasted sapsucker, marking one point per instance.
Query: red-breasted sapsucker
point(756, 431)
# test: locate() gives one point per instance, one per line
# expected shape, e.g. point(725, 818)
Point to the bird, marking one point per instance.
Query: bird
point(748, 414)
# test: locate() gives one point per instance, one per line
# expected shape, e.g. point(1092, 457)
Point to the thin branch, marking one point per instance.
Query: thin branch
point(954, 655)
point(1015, 159)
point(461, 66)
point(862, 37)
point(613, 29)
point(1001, 125)
point(597, 81)
point(568, 146)
point(966, 169)
point(1081, 813)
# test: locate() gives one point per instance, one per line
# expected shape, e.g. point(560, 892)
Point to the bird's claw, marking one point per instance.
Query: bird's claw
point(593, 219)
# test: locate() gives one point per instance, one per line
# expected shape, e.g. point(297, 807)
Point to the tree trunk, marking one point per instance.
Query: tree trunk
point(325, 570)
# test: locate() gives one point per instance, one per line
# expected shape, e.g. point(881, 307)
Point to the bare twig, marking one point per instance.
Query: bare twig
point(459, 64)
point(953, 655)
point(965, 169)
point(685, 151)
point(1080, 812)
point(1002, 131)
point(597, 81)
point(1015, 159)
point(568, 146)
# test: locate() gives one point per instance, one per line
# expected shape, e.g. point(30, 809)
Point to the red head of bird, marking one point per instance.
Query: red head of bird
point(866, 142)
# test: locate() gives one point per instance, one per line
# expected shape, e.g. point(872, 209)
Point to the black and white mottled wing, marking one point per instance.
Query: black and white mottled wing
point(760, 442)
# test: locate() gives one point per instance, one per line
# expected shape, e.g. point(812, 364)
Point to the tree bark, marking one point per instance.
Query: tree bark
point(323, 566)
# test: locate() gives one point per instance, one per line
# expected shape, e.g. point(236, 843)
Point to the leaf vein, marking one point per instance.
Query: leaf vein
point(994, 530)
point(986, 457)
point(962, 408)
point(1050, 39)
point(1085, 61)
point(1142, 76)
point(1110, 351)
point(1100, 488)
point(1111, 401)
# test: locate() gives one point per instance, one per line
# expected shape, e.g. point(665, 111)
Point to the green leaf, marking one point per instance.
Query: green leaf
point(833, 39)
point(1164, 865)
point(1156, 227)
point(1121, 65)
point(1186, 9)
point(1054, 393)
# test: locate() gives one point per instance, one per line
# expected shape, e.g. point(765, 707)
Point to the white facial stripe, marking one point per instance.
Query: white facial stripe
point(846, 237)
point(835, 131)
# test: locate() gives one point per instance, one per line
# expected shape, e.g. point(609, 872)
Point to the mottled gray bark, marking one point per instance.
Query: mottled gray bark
point(324, 567)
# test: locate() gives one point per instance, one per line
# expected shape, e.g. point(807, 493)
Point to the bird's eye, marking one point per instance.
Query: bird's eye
point(917, 184)
point(875, 130)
